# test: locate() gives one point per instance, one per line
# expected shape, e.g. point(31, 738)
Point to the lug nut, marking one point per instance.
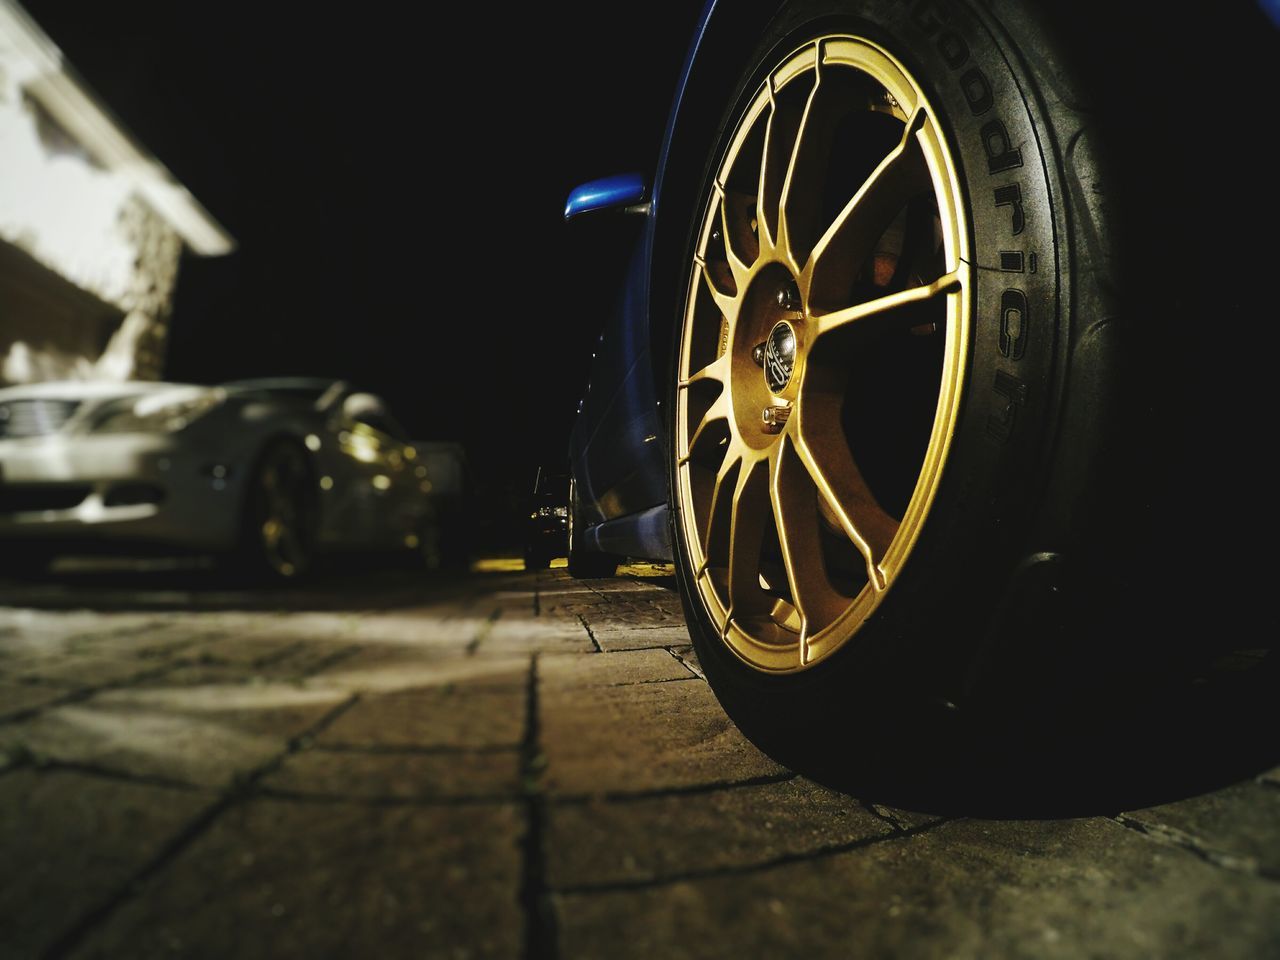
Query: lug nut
point(775, 417)
point(789, 297)
point(757, 354)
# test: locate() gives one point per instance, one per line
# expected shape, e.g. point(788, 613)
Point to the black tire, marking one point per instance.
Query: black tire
point(279, 517)
point(585, 564)
point(427, 552)
point(993, 553)
point(536, 561)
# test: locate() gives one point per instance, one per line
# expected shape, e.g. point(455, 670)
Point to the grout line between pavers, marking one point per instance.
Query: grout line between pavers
point(715, 786)
point(685, 663)
point(156, 650)
point(513, 796)
point(474, 799)
point(240, 790)
point(409, 749)
point(1170, 836)
point(590, 633)
point(333, 659)
point(541, 933)
point(645, 683)
point(485, 629)
point(111, 773)
point(269, 659)
point(883, 814)
point(737, 870)
point(80, 694)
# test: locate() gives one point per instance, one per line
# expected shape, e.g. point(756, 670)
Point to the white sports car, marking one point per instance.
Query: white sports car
point(268, 472)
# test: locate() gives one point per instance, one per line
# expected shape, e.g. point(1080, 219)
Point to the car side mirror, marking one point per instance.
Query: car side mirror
point(627, 192)
point(359, 406)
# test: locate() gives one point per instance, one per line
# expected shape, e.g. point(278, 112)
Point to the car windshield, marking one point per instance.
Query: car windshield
point(307, 391)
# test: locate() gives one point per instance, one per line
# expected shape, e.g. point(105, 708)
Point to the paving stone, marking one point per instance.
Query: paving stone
point(87, 671)
point(635, 614)
point(18, 697)
point(623, 636)
point(462, 715)
point(1240, 823)
point(399, 829)
point(206, 735)
point(44, 632)
point(281, 880)
point(440, 627)
point(642, 737)
point(449, 774)
point(1084, 888)
point(155, 643)
point(243, 650)
point(203, 675)
point(69, 841)
point(388, 668)
point(528, 634)
point(654, 838)
point(612, 669)
point(307, 658)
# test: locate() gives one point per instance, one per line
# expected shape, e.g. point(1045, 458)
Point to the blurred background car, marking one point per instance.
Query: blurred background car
point(547, 530)
point(265, 474)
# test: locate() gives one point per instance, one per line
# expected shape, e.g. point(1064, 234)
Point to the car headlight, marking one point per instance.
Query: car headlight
point(157, 413)
point(553, 512)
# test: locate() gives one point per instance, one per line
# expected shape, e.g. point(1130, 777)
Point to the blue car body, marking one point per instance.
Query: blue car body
point(618, 447)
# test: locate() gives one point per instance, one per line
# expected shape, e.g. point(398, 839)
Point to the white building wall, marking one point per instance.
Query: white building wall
point(81, 198)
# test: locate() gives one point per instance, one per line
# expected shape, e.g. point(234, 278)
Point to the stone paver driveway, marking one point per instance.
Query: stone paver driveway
point(520, 765)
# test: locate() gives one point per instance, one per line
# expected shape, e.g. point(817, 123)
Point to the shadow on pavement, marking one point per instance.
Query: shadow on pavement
point(1121, 750)
point(1172, 724)
point(194, 584)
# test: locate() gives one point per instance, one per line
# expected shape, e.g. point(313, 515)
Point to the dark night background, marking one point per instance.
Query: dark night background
point(394, 180)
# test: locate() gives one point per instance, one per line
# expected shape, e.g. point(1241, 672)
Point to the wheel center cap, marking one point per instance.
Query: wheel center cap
point(779, 356)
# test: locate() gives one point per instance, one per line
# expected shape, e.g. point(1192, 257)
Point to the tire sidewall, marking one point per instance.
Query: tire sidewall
point(929, 626)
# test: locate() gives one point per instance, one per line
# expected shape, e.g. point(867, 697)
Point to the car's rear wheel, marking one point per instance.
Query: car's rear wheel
point(278, 533)
point(868, 374)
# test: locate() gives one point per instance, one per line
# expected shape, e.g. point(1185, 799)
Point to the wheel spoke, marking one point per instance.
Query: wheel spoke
point(735, 238)
point(795, 510)
point(719, 410)
point(948, 283)
point(719, 509)
point(746, 537)
point(851, 237)
point(717, 370)
point(798, 201)
point(825, 454)
point(726, 302)
point(779, 143)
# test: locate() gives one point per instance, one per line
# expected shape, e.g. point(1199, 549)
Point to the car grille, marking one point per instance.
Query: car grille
point(34, 418)
point(31, 498)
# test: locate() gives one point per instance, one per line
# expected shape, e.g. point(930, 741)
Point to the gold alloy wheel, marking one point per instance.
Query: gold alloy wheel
point(282, 484)
point(822, 355)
